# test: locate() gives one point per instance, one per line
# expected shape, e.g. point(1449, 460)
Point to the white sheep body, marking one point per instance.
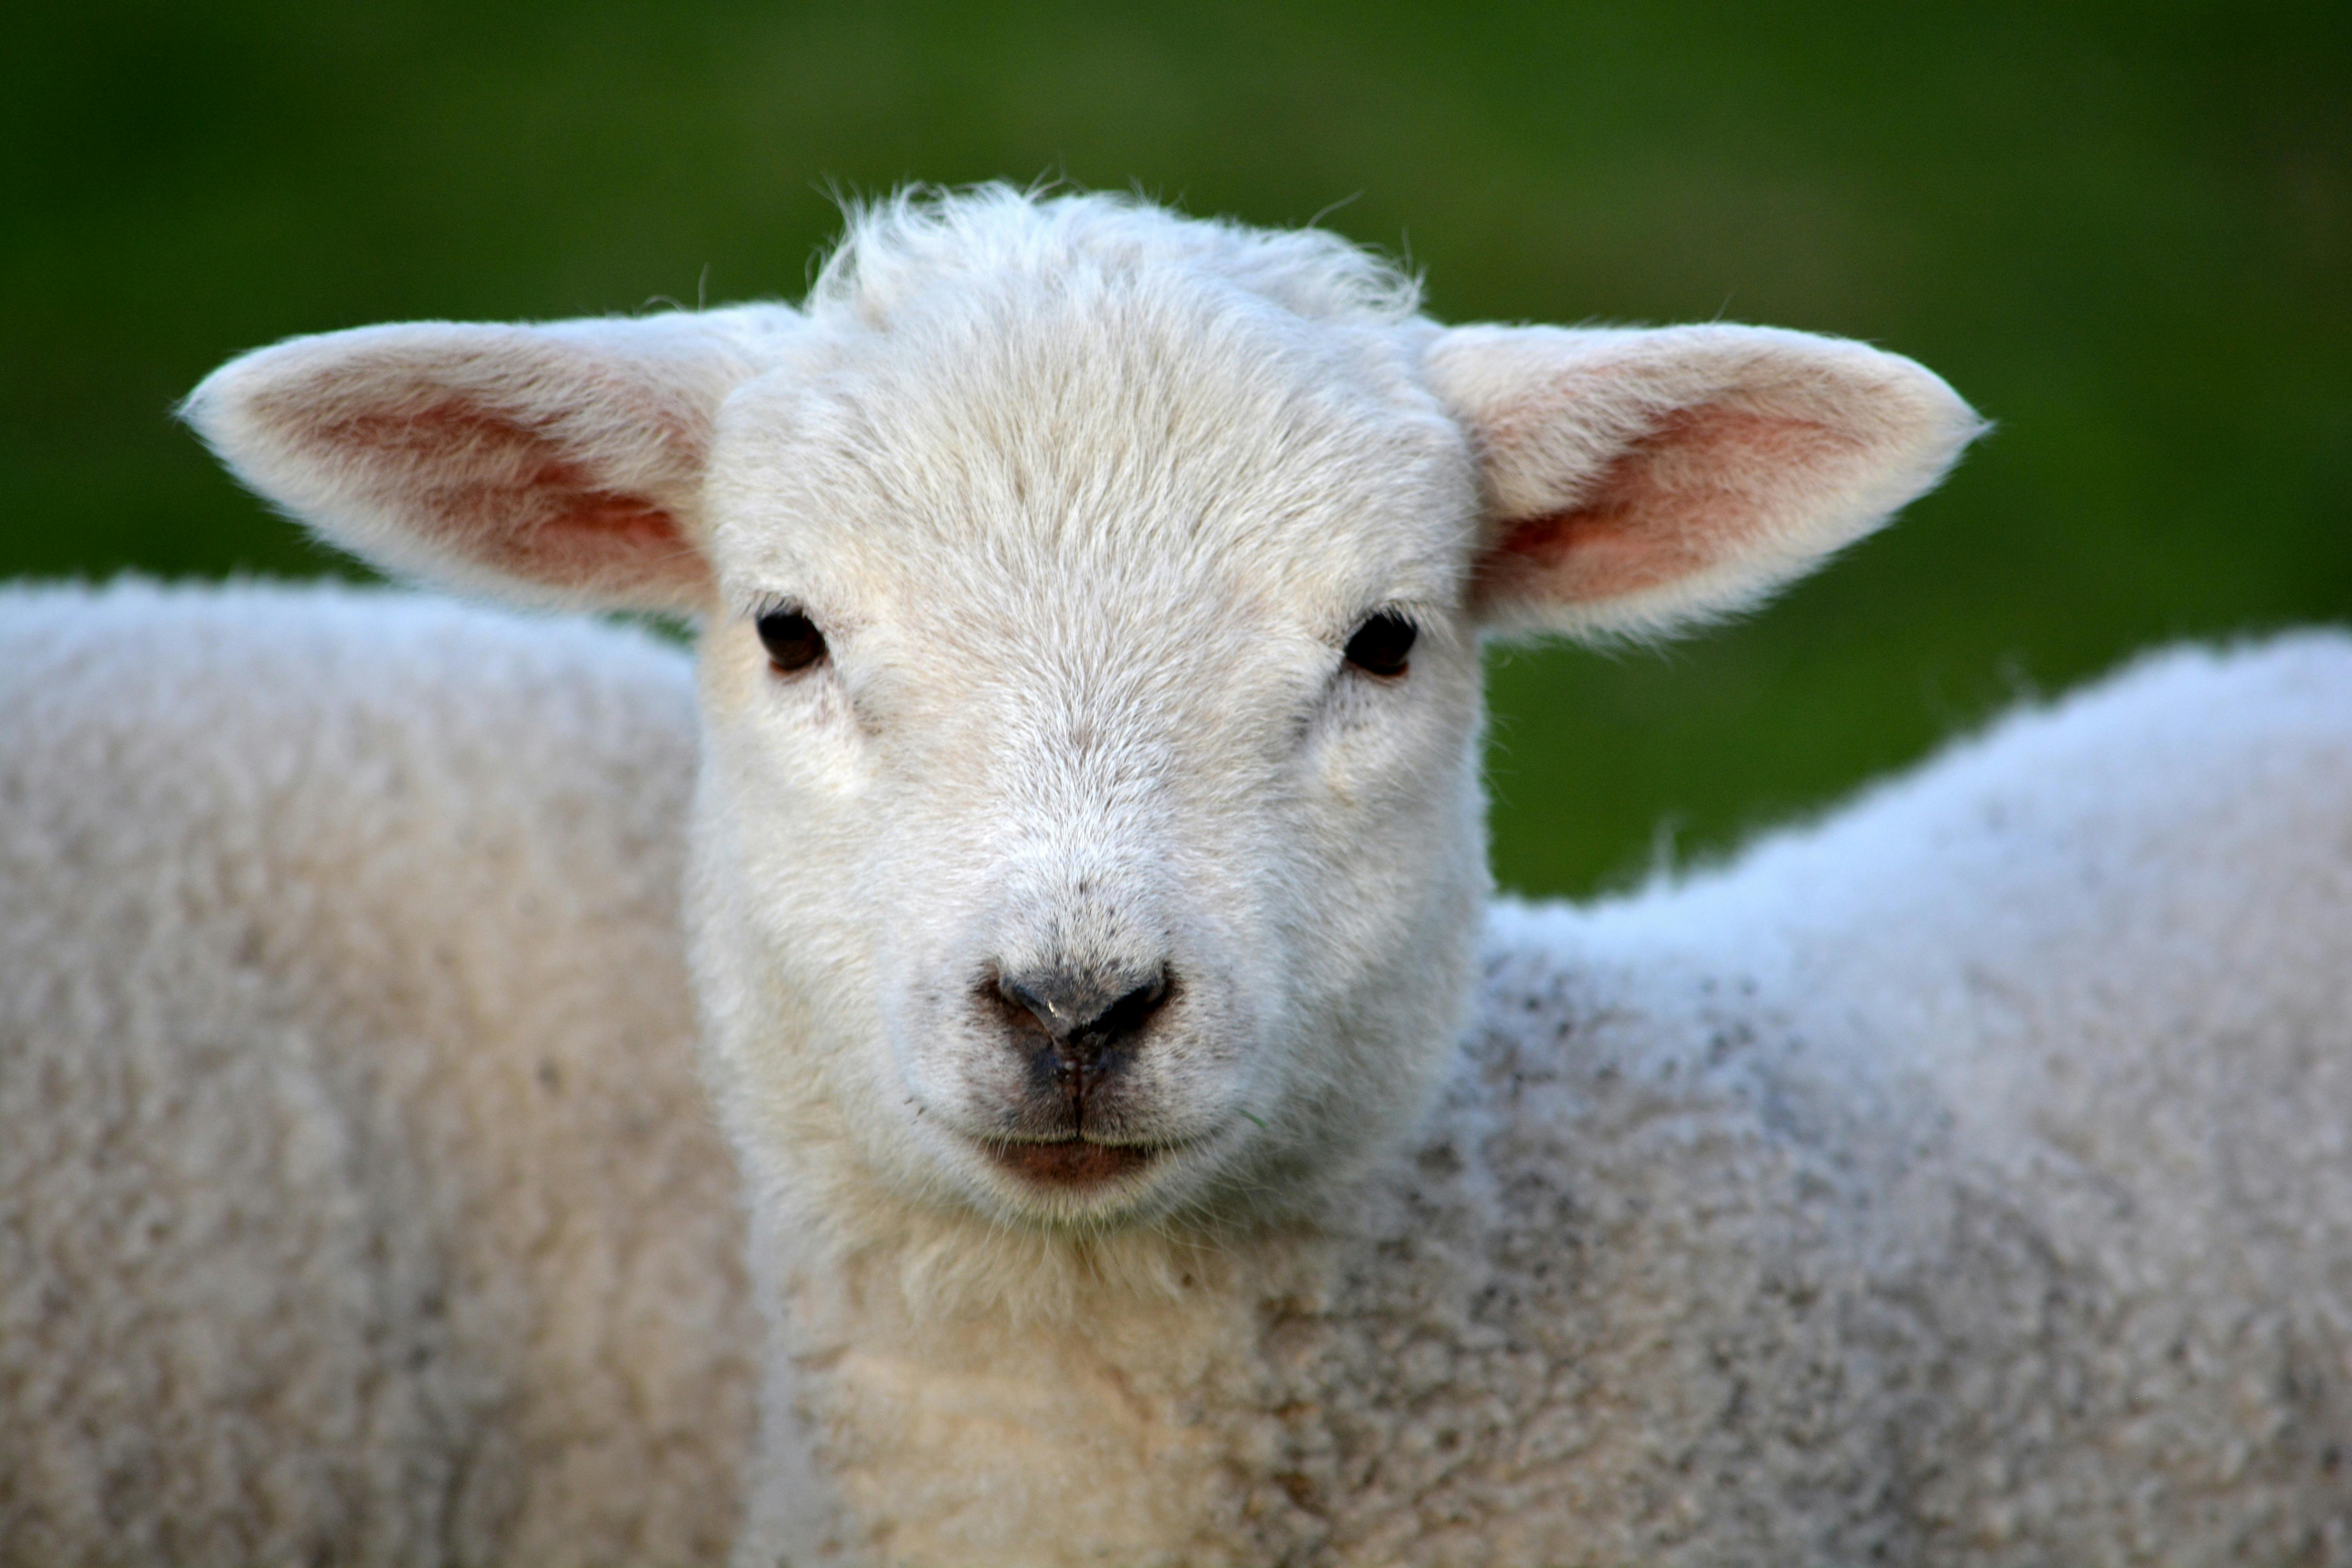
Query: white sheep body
point(1964, 1180)
point(1961, 1180)
point(357, 1199)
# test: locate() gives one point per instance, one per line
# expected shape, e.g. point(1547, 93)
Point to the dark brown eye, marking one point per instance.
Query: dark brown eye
point(1381, 643)
point(792, 641)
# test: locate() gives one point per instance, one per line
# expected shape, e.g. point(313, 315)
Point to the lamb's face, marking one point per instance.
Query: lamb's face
point(1078, 840)
point(1084, 873)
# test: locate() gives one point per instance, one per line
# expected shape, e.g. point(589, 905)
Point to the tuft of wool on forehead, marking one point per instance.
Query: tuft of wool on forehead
point(915, 239)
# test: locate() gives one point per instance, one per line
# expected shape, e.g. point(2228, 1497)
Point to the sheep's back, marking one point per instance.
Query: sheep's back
point(357, 1199)
point(1966, 1178)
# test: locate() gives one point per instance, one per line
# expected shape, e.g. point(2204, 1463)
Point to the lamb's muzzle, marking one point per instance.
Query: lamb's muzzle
point(1082, 1013)
point(1076, 1033)
point(1089, 1022)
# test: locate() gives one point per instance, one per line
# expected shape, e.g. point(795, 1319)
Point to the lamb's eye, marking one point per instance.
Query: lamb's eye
point(1381, 643)
point(792, 641)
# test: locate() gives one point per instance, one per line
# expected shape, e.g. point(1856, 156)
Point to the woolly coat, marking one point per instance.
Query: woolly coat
point(1963, 1180)
point(357, 1203)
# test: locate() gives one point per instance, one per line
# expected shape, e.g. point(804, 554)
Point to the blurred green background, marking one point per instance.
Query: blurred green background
point(2123, 230)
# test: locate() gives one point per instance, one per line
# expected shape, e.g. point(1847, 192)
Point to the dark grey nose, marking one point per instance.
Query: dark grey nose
point(1084, 1016)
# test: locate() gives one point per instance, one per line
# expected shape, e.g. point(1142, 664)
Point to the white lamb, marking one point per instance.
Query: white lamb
point(1155, 1151)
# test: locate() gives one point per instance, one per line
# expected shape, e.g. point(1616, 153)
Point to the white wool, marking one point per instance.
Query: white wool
point(900, 248)
point(1963, 1180)
point(357, 1200)
point(1958, 1181)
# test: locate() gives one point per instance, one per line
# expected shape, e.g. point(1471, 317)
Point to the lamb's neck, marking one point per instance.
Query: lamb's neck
point(972, 1392)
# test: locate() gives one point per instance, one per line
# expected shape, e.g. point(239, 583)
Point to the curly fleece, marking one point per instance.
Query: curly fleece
point(1964, 1179)
point(358, 1202)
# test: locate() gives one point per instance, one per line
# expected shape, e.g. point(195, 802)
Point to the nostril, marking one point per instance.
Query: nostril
point(1088, 1010)
point(1129, 1014)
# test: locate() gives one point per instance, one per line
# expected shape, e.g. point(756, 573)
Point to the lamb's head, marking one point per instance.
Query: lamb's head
point(1090, 600)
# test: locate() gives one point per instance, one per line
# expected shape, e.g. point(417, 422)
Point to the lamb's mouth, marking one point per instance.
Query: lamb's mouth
point(1072, 1162)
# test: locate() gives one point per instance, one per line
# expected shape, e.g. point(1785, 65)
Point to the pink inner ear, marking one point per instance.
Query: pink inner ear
point(1694, 490)
point(512, 498)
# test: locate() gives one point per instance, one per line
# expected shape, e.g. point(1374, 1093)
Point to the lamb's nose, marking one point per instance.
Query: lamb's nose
point(1084, 1014)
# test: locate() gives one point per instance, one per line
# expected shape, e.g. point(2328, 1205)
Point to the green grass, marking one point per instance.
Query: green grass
point(2124, 231)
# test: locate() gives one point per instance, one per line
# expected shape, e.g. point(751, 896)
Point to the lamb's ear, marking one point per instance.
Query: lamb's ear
point(559, 463)
point(1637, 481)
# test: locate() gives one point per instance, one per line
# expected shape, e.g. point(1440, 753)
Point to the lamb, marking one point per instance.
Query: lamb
point(1157, 1146)
point(357, 1203)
